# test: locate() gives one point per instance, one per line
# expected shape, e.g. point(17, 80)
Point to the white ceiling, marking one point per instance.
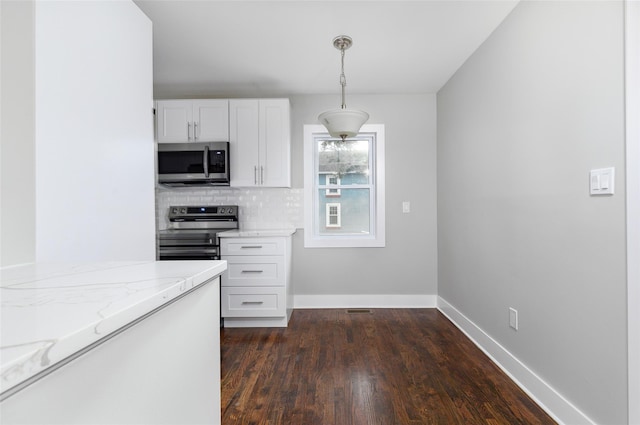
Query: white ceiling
point(279, 48)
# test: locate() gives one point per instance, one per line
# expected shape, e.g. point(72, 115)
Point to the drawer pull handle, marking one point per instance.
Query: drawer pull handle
point(252, 271)
point(251, 247)
point(252, 302)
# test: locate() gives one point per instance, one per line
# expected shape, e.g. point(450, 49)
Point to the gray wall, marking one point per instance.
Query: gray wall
point(407, 265)
point(17, 146)
point(519, 127)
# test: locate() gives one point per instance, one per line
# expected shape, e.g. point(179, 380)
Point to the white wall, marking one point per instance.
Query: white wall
point(17, 134)
point(519, 127)
point(407, 266)
point(94, 132)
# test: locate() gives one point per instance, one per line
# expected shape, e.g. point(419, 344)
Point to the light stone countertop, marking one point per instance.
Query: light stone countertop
point(52, 311)
point(256, 233)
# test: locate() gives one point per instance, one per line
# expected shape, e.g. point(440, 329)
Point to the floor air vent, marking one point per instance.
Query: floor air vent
point(358, 310)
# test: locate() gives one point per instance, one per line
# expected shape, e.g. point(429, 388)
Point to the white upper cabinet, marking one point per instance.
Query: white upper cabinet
point(174, 120)
point(211, 120)
point(260, 142)
point(244, 154)
point(183, 121)
point(275, 143)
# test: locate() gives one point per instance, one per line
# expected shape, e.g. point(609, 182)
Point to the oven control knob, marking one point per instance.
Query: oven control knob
point(175, 211)
point(183, 210)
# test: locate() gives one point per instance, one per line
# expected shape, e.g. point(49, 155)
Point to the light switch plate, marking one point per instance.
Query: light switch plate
point(406, 207)
point(513, 318)
point(602, 181)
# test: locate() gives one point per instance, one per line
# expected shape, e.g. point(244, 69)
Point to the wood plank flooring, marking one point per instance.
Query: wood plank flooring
point(387, 367)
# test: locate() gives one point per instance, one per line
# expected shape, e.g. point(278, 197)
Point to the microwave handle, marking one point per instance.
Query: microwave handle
point(205, 160)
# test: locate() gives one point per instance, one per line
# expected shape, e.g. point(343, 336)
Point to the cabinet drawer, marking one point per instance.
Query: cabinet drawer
point(254, 271)
point(253, 302)
point(252, 246)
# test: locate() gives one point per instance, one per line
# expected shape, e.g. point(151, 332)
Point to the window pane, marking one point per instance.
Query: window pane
point(350, 217)
point(344, 162)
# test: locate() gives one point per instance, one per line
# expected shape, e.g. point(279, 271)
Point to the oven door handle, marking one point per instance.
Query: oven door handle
point(164, 251)
point(186, 243)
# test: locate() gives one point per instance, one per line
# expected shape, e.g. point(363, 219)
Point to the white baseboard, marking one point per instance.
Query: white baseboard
point(542, 393)
point(365, 301)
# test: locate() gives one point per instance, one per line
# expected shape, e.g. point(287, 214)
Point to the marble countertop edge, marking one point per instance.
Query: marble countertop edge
point(257, 233)
point(24, 355)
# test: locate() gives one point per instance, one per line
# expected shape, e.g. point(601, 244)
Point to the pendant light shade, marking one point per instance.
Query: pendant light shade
point(343, 122)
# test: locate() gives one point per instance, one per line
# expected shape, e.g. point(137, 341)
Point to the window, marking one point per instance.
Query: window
point(332, 179)
point(333, 215)
point(344, 188)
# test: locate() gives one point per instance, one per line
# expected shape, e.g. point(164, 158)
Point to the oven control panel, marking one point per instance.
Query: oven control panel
point(202, 213)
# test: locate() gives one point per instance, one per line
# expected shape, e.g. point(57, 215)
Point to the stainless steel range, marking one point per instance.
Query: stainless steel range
point(193, 232)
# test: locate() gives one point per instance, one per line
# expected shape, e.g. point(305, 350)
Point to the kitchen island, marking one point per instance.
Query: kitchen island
point(117, 343)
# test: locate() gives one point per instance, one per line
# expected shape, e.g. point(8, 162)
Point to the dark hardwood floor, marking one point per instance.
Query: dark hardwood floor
point(390, 366)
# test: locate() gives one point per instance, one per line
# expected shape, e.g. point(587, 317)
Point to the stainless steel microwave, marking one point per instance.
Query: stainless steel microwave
point(193, 164)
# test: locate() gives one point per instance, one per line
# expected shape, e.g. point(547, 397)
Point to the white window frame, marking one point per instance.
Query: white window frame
point(312, 237)
point(328, 215)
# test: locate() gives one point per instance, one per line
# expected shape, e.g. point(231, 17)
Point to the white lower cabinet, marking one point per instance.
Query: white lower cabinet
point(255, 270)
point(256, 288)
point(267, 301)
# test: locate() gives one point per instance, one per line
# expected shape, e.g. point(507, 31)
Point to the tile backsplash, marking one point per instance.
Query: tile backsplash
point(260, 208)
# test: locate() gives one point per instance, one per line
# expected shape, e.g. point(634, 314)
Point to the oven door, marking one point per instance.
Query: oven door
point(181, 164)
point(188, 245)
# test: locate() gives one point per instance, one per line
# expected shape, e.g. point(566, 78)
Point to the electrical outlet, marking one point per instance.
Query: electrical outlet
point(513, 318)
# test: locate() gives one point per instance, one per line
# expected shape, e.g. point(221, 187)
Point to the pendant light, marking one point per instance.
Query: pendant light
point(343, 122)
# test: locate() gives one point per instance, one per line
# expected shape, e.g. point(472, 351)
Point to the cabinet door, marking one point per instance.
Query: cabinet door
point(275, 143)
point(259, 270)
point(253, 302)
point(243, 142)
point(253, 246)
point(174, 121)
point(211, 118)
